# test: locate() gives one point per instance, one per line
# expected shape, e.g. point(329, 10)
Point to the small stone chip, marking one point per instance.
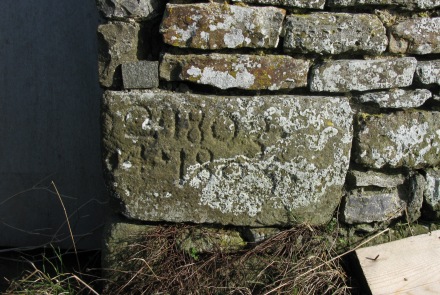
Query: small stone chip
point(140, 75)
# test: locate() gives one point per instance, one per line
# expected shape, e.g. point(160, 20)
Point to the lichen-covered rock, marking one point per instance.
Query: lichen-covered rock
point(348, 75)
point(432, 192)
point(428, 72)
point(269, 160)
point(140, 75)
point(225, 71)
point(402, 139)
point(367, 205)
point(216, 26)
point(334, 33)
point(414, 197)
point(142, 9)
point(406, 4)
point(118, 43)
point(314, 4)
point(396, 98)
point(259, 234)
point(416, 36)
point(374, 178)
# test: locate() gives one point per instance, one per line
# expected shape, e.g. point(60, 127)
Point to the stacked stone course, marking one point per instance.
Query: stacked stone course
point(268, 113)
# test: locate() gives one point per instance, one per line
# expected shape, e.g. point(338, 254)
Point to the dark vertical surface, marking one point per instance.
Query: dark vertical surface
point(49, 123)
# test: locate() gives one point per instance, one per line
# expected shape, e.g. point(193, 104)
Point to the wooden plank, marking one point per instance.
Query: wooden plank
point(408, 266)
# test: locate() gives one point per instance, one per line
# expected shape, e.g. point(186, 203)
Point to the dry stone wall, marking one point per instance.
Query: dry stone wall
point(268, 113)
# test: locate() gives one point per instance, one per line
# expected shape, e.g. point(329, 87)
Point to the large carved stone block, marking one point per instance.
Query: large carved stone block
point(334, 33)
point(225, 71)
point(216, 26)
point(269, 160)
point(402, 139)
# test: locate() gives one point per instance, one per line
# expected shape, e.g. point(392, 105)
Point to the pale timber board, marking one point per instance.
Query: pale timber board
point(408, 266)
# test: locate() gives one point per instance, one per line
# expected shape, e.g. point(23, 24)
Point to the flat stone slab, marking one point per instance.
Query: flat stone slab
point(141, 9)
point(259, 161)
point(397, 98)
point(408, 4)
point(366, 206)
point(140, 75)
point(428, 72)
point(416, 36)
point(374, 178)
point(225, 71)
point(329, 33)
point(216, 26)
point(314, 4)
point(402, 139)
point(118, 42)
point(361, 75)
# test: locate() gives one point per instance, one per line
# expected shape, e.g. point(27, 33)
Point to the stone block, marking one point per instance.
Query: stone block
point(334, 33)
point(396, 98)
point(140, 75)
point(361, 75)
point(259, 234)
point(401, 139)
point(118, 44)
point(256, 161)
point(405, 4)
point(314, 4)
point(428, 72)
point(374, 178)
point(414, 197)
point(432, 192)
point(367, 206)
point(225, 71)
point(217, 26)
point(140, 9)
point(416, 36)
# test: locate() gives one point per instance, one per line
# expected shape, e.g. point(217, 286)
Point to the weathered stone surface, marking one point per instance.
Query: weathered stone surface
point(432, 192)
point(347, 75)
point(251, 160)
point(401, 139)
point(216, 26)
point(374, 178)
point(428, 72)
point(237, 71)
point(314, 4)
point(408, 4)
point(414, 198)
point(334, 33)
point(366, 206)
point(118, 43)
point(143, 9)
point(416, 36)
point(397, 98)
point(141, 74)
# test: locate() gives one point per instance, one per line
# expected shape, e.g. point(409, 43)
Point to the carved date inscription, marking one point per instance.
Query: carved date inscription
point(185, 157)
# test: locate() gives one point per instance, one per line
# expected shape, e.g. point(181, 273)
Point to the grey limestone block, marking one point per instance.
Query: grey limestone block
point(140, 9)
point(416, 36)
point(367, 205)
point(374, 178)
point(401, 139)
point(140, 75)
point(314, 4)
point(405, 4)
point(432, 192)
point(428, 72)
point(118, 44)
point(217, 26)
point(241, 160)
point(362, 75)
point(396, 98)
point(334, 33)
point(225, 71)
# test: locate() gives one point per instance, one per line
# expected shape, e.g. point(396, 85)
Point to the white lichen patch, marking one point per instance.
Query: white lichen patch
point(222, 79)
point(397, 98)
